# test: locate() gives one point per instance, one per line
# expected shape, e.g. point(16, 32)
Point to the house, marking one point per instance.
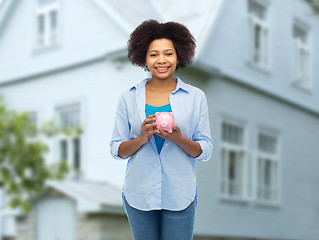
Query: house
point(256, 61)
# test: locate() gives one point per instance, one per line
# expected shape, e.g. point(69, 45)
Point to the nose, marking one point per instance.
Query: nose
point(161, 58)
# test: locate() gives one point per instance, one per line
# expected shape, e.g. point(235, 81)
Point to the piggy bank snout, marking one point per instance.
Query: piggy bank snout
point(164, 124)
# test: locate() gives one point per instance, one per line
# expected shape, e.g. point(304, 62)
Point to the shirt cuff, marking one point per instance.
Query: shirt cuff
point(206, 151)
point(114, 146)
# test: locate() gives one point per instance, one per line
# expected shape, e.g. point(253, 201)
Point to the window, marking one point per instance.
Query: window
point(69, 147)
point(33, 118)
point(233, 161)
point(258, 33)
point(301, 55)
point(47, 23)
point(267, 168)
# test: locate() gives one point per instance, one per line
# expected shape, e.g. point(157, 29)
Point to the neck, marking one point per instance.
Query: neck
point(163, 84)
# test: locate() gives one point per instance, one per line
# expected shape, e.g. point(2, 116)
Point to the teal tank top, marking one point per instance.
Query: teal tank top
point(149, 110)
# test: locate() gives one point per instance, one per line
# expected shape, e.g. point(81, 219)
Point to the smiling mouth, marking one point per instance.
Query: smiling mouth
point(162, 68)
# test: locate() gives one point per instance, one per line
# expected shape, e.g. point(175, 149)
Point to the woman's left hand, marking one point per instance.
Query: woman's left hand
point(190, 147)
point(175, 136)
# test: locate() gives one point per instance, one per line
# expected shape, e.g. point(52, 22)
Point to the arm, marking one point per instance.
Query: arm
point(190, 147)
point(202, 132)
point(128, 148)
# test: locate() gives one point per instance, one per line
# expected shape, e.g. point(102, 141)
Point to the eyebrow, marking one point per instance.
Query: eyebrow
point(164, 50)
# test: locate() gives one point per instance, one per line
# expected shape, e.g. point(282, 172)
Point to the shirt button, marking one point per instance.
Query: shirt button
point(166, 144)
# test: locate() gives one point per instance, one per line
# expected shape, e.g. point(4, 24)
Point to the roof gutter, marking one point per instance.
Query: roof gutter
point(220, 74)
point(113, 54)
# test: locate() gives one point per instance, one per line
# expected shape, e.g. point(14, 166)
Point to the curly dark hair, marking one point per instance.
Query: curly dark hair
point(150, 30)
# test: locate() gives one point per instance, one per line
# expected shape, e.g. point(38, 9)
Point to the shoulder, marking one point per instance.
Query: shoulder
point(194, 94)
point(194, 91)
point(131, 91)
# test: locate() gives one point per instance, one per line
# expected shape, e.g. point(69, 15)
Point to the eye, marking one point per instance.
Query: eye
point(169, 54)
point(153, 55)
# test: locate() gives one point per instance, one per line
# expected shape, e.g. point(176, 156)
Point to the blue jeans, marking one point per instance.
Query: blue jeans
point(161, 224)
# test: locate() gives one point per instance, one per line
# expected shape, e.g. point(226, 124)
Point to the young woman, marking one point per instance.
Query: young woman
point(159, 192)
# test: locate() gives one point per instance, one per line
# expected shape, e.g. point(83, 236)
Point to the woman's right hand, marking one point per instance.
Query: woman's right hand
point(148, 128)
point(128, 148)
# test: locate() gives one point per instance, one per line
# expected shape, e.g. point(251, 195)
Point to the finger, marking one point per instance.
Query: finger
point(162, 132)
point(150, 131)
point(153, 131)
point(151, 118)
point(159, 134)
point(148, 120)
point(150, 125)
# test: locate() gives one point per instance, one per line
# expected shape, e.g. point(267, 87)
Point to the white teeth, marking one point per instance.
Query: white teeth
point(162, 68)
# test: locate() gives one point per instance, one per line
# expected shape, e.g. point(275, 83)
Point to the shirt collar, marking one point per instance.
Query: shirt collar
point(179, 86)
point(141, 84)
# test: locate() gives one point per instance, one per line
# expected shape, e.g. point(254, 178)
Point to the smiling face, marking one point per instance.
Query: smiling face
point(161, 58)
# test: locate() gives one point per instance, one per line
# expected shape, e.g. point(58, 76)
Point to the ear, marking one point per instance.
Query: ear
point(171, 114)
point(157, 114)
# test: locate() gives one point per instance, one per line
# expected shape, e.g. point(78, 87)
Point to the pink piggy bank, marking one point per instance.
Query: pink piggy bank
point(165, 121)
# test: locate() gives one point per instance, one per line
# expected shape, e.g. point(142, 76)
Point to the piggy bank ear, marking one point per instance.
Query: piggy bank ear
point(171, 114)
point(157, 114)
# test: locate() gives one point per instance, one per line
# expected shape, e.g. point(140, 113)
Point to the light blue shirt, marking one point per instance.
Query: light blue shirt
point(166, 180)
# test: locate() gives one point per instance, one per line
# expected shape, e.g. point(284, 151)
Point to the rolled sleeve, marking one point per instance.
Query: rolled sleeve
point(206, 151)
point(121, 130)
point(202, 133)
point(115, 149)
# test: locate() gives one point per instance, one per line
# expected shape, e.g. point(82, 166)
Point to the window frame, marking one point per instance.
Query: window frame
point(69, 139)
point(264, 24)
point(297, 46)
point(241, 149)
point(273, 157)
point(45, 10)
